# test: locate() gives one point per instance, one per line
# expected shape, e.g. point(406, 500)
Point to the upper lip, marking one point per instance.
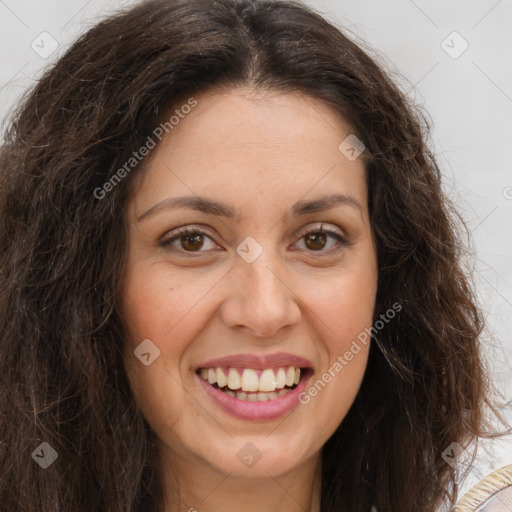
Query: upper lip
point(258, 362)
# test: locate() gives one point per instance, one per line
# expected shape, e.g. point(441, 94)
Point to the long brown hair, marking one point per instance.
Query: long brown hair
point(62, 252)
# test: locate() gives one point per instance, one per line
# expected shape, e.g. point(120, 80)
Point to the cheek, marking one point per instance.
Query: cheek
point(341, 309)
point(158, 305)
point(158, 387)
point(343, 318)
point(161, 410)
point(341, 315)
point(343, 305)
point(155, 306)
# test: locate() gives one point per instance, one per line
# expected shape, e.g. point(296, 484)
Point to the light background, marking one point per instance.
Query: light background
point(468, 98)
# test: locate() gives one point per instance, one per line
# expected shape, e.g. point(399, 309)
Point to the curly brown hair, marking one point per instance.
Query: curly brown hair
point(62, 253)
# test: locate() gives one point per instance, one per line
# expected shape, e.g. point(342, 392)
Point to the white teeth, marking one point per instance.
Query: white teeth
point(267, 381)
point(290, 376)
point(280, 379)
point(233, 379)
point(256, 397)
point(222, 380)
point(250, 381)
point(247, 380)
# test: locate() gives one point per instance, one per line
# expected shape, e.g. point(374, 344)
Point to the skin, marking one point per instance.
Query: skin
point(260, 153)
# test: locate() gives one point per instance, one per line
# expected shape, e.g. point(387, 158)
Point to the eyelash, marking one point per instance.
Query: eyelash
point(342, 241)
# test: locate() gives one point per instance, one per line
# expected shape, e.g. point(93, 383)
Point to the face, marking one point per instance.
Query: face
point(251, 267)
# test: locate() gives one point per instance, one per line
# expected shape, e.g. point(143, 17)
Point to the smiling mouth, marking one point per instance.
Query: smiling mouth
point(252, 385)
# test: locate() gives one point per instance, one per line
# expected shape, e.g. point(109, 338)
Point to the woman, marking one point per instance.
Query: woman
point(230, 277)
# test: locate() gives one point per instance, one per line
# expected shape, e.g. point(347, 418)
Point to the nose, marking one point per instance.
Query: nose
point(261, 300)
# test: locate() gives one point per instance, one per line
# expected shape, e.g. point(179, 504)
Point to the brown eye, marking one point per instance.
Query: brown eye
point(192, 242)
point(315, 241)
point(325, 242)
point(188, 241)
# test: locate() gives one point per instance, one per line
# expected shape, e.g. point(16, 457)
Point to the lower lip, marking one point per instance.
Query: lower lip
point(256, 411)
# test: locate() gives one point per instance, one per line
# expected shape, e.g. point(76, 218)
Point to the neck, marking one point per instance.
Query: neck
point(205, 489)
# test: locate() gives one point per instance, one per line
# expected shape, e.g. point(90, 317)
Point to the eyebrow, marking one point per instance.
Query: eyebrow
point(211, 207)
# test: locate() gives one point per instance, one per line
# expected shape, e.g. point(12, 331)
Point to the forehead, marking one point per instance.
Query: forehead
point(244, 143)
